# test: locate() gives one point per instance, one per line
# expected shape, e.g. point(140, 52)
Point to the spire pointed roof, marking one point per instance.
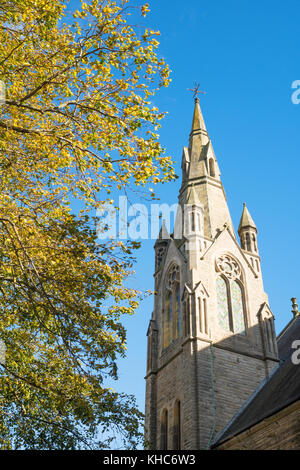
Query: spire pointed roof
point(163, 233)
point(200, 166)
point(198, 121)
point(198, 145)
point(246, 219)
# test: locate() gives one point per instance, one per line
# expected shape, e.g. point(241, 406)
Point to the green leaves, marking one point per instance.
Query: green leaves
point(62, 337)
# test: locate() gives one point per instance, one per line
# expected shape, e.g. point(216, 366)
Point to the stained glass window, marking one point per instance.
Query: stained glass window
point(167, 319)
point(222, 297)
point(230, 295)
point(237, 308)
point(177, 313)
point(172, 311)
point(170, 316)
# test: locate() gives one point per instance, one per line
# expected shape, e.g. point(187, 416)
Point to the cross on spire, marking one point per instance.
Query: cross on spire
point(196, 90)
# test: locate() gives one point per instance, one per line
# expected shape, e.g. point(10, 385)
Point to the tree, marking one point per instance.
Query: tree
point(76, 123)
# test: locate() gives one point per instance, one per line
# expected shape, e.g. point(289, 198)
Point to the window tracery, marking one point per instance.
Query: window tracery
point(172, 309)
point(230, 295)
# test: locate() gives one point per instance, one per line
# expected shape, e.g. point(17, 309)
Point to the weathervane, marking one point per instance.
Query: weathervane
point(196, 90)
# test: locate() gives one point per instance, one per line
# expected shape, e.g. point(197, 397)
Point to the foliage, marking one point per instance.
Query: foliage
point(77, 123)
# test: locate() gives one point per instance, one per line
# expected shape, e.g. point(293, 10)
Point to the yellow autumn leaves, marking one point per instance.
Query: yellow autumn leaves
point(78, 121)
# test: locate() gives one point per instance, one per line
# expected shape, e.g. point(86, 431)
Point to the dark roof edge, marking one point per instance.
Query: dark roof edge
point(287, 326)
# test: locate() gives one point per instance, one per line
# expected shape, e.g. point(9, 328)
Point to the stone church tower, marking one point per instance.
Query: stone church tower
point(211, 338)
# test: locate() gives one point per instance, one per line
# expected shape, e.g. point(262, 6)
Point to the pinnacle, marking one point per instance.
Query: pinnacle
point(198, 121)
point(246, 219)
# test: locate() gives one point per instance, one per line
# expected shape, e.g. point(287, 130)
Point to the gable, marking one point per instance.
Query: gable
point(265, 312)
point(226, 243)
point(172, 255)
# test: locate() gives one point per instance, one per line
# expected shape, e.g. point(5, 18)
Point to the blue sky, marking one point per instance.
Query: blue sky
point(245, 55)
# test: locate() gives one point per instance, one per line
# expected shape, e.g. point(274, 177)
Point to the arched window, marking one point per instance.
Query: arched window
point(257, 265)
point(266, 320)
point(254, 242)
point(230, 295)
point(186, 317)
point(172, 310)
point(199, 222)
point(177, 313)
point(167, 319)
point(212, 167)
point(243, 242)
point(237, 307)
point(193, 222)
point(149, 353)
point(269, 334)
point(248, 242)
point(164, 431)
point(223, 305)
point(177, 426)
point(202, 308)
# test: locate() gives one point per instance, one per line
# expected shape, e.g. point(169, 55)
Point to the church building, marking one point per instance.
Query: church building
point(212, 346)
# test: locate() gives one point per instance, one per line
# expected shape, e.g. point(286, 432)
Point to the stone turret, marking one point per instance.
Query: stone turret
point(248, 232)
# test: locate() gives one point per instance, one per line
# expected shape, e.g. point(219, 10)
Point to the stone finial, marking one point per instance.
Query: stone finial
point(198, 121)
point(295, 310)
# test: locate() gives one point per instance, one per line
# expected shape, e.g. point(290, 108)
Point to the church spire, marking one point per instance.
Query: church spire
point(198, 143)
point(200, 168)
point(198, 121)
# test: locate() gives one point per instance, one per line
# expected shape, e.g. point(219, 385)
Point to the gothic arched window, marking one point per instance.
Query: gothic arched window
point(186, 317)
point(177, 312)
point(248, 242)
point(230, 295)
point(269, 337)
point(266, 320)
point(237, 303)
point(223, 305)
point(193, 222)
point(172, 311)
point(164, 431)
point(254, 242)
point(167, 320)
point(212, 167)
point(149, 353)
point(177, 426)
